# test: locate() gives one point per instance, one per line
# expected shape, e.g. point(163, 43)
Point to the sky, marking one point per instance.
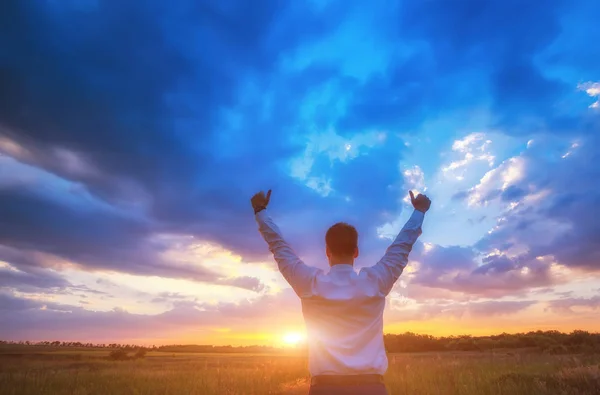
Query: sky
point(133, 134)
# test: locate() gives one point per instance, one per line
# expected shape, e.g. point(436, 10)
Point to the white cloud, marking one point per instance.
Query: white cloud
point(464, 163)
point(593, 90)
point(573, 147)
point(473, 147)
point(466, 143)
point(500, 178)
point(321, 185)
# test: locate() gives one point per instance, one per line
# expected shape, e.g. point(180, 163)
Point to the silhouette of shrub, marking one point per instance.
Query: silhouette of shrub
point(118, 355)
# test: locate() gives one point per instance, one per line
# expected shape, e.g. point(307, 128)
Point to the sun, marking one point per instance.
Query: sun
point(293, 338)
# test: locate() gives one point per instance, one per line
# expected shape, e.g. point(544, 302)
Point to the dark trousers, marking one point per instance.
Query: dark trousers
point(360, 384)
point(360, 389)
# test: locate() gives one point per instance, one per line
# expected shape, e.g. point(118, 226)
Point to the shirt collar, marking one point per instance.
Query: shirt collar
point(342, 267)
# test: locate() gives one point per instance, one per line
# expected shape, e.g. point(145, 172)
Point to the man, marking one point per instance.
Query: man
point(343, 309)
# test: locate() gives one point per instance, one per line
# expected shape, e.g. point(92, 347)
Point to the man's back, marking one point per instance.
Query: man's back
point(344, 322)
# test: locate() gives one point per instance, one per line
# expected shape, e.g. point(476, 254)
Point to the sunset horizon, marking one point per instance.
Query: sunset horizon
point(283, 341)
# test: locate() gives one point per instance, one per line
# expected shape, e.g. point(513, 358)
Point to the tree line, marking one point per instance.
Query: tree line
point(547, 341)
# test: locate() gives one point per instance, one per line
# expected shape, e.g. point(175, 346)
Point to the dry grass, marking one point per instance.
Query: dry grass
point(159, 373)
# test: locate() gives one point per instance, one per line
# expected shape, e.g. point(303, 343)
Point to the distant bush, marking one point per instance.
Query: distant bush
point(121, 354)
point(556, 349)
point(118, 355)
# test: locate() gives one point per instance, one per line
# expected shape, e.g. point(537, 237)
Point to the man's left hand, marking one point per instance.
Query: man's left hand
point(260, 201)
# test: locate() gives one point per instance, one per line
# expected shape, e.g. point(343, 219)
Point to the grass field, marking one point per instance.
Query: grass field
point(79, 372)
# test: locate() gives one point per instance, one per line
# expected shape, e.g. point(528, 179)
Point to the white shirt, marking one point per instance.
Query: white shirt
point(343, 309)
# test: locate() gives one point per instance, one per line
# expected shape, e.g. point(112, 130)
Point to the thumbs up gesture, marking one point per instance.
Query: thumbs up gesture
point(421, 202)
point(260, 201)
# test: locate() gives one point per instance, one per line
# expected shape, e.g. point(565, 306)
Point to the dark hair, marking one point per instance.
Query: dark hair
point(342, 239)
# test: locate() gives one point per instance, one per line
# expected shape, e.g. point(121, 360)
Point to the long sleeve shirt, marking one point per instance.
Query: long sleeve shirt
point(343, 308)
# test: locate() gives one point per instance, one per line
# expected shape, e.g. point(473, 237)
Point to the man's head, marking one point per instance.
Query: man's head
point(341, 241)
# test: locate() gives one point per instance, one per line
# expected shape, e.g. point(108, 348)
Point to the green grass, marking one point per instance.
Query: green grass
point(80, 372)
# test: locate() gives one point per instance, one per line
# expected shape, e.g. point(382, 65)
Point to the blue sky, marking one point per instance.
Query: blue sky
point(133, 135)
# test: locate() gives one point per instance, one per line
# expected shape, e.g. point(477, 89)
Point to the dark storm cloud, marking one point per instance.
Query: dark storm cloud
point(138, 91)
point(135, 101)
point(136, 94)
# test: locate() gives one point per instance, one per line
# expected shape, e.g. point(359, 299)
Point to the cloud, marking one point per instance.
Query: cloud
point(541, 219)
point(498, 308)
point(169, 296)
point(541, 231)
point(95, 239)
point(454, 310)
point(496, 181)
point(9, 303)
point(506, 76)
point(39, 320)
point(464, 270)
point(566, 305)
point(246, 282)
point(542, 236)
point(474, 146)
point(57, 236)
point(546, 205)
point(593, 90)
point(32, 280)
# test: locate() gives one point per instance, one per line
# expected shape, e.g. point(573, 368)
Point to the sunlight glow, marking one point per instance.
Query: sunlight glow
point(293, 338)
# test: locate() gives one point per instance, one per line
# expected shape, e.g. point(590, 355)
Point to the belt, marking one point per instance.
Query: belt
point(350, 379)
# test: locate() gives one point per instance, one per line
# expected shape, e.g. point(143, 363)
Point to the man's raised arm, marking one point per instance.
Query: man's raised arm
point(296, 273)
point(390, 267)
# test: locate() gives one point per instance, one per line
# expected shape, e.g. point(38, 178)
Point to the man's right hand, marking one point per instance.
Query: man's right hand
point(260, 201)
point(421, 202)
